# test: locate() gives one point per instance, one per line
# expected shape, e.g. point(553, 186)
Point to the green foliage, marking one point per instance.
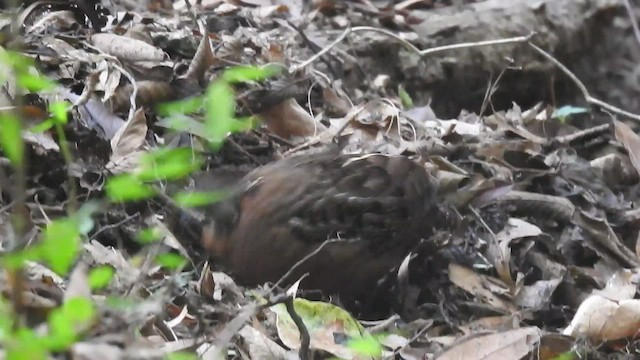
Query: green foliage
point(60, 242)
point(150, 235)
point(24, 344)
point(183, 106)
point(100, 277)
point(367, 345)
point(58, 112)
point(569, 355)
point(242, 74)
point(65, 322)
point(196, 199)
point(168, 164)
point(128, 187)
point(181, 356)
point(11, 138)
point(405, 98)
point(170, 261)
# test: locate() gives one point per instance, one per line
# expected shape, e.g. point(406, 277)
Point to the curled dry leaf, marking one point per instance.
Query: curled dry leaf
point(150, 92)
point(515, 229)
point(290, 121)
point(260, 346)
point(621, 285)
point(202, 60)
point(484, 288)
point(630, 140)
point(109, 80)
point(96, 116)
point(127, 144)
point(601, 319)
point(126, 48)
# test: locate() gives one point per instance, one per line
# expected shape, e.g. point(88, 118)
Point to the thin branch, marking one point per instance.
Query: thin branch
point(583, 89)
point(305, 338)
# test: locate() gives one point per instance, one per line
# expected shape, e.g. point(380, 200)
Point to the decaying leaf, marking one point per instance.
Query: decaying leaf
point(326, 323)
point(512, 344)
point(128, 144)
point(126, 48)
point(603, 319)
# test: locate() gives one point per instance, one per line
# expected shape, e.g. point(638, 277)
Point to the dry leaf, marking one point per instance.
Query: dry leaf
point(508, 345)
point(127, 144)
point(630, 140)
point(604, 319)
point(290, 121)
point(126, 48)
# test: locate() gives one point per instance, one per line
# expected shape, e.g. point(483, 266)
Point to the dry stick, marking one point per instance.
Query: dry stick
point(415, 337)
point(410, 46)
point(305, 338)
point(585, 93)
point(302, 261)
point(632, 18)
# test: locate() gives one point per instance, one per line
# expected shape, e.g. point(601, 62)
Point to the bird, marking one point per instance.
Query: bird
point(343, 220)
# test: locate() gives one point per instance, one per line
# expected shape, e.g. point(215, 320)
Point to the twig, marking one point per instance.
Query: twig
point(583, 89)
point(632, 18)
point(413, 338)
point(299, 263)
point(410, 46)
point(305, 338)
point(513, 40)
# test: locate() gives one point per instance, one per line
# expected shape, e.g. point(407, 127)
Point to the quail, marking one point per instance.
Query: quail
point(368, 212)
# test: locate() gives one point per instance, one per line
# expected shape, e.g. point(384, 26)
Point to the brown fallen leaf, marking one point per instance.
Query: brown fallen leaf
point(508, 345)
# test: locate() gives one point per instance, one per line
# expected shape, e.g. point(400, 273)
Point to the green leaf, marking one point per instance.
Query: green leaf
point(168, 164)
point(181, 356)
point(59, 111)
point(323, 321)
point(100, 277)
point(33, 82)
point(43, 126)
point(17, 60)
point(79, 311)
point(197, 198)
point(238, 74)
point(16, 259)
point(150, 235)
point(170, 261)
point(368, 345)
point(405, 98)
point(183, 106)
point(60, 244)
point(569, 355)
point(184, 123)
point(66, 322)
point(11, 138)
point(220, 112)
point(25, 345)
point(127, 187)
point(61, 335)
